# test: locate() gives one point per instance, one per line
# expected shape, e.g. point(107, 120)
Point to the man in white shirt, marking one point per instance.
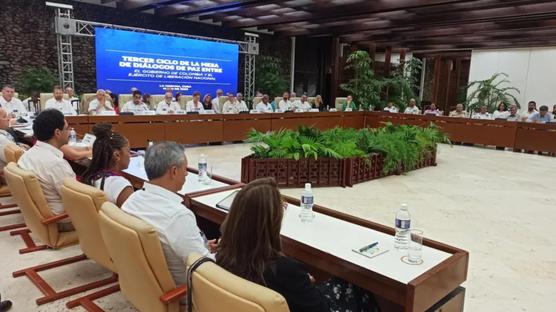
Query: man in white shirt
point(33, 103)
point(264, 106)
point(195, 104)
point(159, 205)
point(10, 103)
point(46, 160)
point(74, 101)
point(216, 100)
point(239, 98)
point(303, 104)
point(233, 106)
point(412, 108)
point(390, 108)
point(5, 139)
point(135, 105)
point(100, 104)
point(168, 105)
point(531, 109)
point(285, 104)
point(58, 102)
point(482, 114)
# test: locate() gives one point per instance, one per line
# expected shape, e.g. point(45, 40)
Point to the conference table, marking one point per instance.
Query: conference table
point(325, 246)
point(217, 128)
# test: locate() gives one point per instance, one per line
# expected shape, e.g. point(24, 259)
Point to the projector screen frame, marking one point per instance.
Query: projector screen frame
point(64, 16)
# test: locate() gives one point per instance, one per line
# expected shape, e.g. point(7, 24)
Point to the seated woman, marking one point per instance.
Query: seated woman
point(258, 208)
point(501, 112)
point(349, 104)
point(318, 104)
point(110, 157)
point(207, 101)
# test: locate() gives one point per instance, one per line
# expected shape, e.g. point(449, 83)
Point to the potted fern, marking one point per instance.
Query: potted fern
point(339, 156)
point(490, 92)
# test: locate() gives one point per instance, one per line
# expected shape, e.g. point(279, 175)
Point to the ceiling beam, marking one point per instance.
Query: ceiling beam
point(343, 11)
point(541, 11)
point(141, 5)
point(179, 11)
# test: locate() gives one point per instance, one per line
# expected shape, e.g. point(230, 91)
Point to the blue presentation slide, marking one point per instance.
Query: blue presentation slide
point(155, 63)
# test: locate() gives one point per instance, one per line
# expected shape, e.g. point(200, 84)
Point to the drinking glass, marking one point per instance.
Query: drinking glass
point(414, 253)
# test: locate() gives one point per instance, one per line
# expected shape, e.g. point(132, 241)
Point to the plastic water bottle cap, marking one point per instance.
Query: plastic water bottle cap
point(308, 186)
point(404, 206)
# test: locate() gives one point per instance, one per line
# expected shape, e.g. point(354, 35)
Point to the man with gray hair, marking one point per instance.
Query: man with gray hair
point(159, 205)
point(100, 103)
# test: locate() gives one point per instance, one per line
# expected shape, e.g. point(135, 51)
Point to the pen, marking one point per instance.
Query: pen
point(365, 248)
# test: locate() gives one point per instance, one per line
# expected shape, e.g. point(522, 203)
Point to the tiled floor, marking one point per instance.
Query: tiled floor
point(494, 204)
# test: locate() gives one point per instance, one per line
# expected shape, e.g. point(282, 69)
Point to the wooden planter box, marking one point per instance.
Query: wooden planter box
point(294, 173)
point(321, 171)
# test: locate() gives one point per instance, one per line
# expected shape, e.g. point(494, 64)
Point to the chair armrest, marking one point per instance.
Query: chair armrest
point(174, 294)
point(55, 218)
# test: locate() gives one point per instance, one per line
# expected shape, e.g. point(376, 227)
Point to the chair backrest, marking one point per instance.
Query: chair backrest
point(27, 192)
point(82, 203)
point(339, 102)
point(12, 152)
point(257, 100)
point(186, 98)
point(221, 101)
point(155, 99)
point(123, 98)
point(47, 96)
point(215, 289)
point(135, 248)
point(86, 98)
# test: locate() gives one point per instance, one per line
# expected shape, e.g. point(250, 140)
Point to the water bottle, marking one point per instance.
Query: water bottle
point(202, 166)
point(72, 137)
point(306, 214)
point(403, 225)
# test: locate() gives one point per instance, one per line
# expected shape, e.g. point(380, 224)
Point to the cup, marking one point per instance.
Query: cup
point(414, 252)
point(208, 175)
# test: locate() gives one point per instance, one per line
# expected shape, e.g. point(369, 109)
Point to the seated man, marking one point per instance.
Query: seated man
point(136, 105)
point(74, 101)
point(159, 205)
point(58, 102)
point(10, 103)
point(216, 100)
point(514, 115)
point(303, 104)
point(168, 105)
point(100, 104)
point(46, 160)
point(432, 110)
point(195, 104)
point(542, 116)
point(264, 106)
point(412, 108)
point(239, 98)
point(5, 139)
point(531, 109)
point(285, 104)
point(233, 106)
point(459, 112)
point(482, 114)
point(390, 107)
point(33, 103)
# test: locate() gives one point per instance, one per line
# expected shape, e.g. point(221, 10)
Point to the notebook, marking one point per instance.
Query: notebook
point(226, 203)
